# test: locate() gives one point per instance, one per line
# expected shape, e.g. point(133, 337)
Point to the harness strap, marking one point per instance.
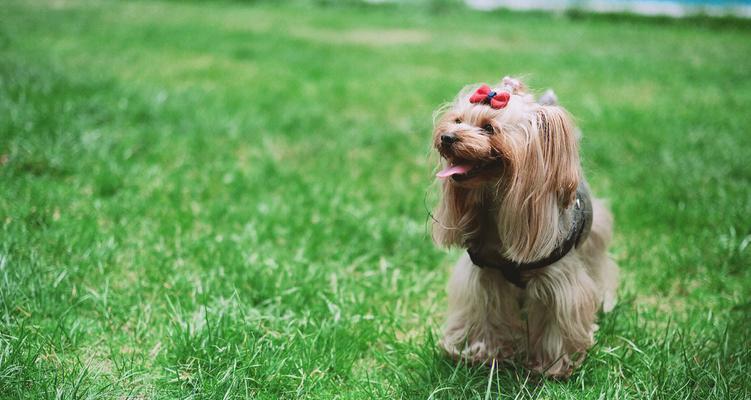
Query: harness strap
point(581, 226)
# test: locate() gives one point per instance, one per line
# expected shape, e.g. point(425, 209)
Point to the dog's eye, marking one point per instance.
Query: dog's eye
point(488, 129)
point(458, 120)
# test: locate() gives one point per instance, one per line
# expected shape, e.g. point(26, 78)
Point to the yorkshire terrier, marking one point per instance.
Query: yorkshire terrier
point(536, 268)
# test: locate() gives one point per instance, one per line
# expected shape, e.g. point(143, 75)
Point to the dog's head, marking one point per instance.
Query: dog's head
point(499, 142)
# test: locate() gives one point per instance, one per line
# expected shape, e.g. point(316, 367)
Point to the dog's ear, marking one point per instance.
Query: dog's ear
point(548, 98)
point(545, 173)
point(560, 152)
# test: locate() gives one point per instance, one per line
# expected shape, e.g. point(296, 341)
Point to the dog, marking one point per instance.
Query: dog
point(536, 268)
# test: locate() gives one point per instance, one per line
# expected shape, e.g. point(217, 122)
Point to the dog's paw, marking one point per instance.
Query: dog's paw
point(560, 368)
point(557, 371)
point(479, 351)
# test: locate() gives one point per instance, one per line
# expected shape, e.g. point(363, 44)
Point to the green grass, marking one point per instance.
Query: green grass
point(229, 200)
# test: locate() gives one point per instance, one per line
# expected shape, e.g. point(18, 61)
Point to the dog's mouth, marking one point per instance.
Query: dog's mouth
point(460, 170)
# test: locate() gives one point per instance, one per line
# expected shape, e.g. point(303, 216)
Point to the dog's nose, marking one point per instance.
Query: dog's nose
point(448, 138)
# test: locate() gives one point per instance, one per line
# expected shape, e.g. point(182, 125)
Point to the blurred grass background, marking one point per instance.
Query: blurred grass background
point(229, 200)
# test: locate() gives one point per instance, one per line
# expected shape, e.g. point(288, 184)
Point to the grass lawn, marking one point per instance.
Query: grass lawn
point(229, 200)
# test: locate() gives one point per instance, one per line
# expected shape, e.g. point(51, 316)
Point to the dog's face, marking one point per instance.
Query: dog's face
point(470, 140)
point(476, 136)
point(525, 152)
point(521, 140)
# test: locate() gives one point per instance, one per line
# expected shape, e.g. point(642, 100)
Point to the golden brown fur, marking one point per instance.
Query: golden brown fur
point(516, 201)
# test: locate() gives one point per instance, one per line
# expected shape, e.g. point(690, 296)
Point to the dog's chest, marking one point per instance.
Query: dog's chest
point(486, 241)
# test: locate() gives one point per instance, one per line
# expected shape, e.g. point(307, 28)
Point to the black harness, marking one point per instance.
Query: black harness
point(580, 227)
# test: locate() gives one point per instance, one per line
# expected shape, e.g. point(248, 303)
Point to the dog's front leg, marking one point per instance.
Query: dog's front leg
point(561, 309)
point(483, 322)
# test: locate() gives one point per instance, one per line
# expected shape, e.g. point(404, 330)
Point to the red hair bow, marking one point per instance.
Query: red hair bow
point(487, 96)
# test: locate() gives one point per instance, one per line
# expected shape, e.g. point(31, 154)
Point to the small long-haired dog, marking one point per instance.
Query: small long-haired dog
point(514, 196)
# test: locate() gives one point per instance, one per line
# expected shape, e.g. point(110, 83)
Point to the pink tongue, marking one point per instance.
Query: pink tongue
point(453, 170)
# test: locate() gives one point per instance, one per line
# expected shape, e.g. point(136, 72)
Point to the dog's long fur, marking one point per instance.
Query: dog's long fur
point(517, 202)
